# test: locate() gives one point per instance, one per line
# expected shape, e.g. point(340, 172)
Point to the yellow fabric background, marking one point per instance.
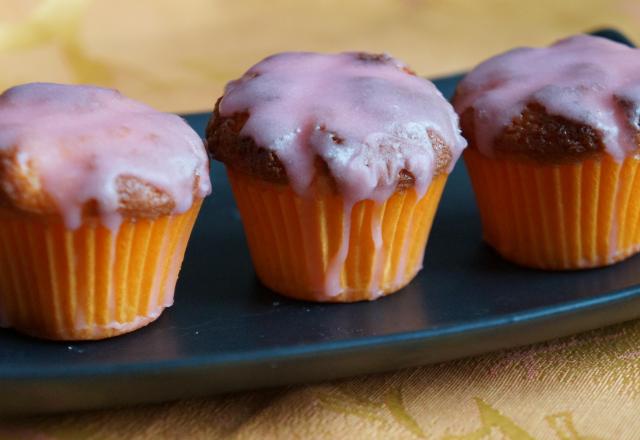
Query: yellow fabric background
point(178, 55)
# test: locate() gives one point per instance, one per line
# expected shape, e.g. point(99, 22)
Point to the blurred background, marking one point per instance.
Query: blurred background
point(177, 55)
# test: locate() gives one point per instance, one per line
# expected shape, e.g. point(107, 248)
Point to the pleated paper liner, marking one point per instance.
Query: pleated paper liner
point(88, 283)
point(568, 216)
point(296, 242)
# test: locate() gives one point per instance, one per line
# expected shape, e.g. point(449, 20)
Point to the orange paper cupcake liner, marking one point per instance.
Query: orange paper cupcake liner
point(568, 216)
point(88, 283)
point(311, 249)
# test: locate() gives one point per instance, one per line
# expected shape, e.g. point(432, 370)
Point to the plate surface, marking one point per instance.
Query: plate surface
point(226, 332)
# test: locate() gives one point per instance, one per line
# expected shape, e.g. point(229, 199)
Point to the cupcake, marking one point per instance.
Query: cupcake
point(98, 195)
point(337, 163)
point(553, 140)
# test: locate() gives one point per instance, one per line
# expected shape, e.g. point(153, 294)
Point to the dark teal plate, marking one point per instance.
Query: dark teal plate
point(228, 333)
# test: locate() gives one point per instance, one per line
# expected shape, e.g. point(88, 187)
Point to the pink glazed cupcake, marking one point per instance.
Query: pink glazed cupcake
point(554, 138)
point(337, 164)
point(98, 195)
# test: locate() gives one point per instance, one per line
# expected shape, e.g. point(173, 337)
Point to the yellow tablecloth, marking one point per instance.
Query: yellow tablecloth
point(178, 55)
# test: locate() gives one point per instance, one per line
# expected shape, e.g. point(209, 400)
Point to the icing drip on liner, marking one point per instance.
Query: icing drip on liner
point(78, 140)
point(331, 283)
point(590, 80)
point(364, 115)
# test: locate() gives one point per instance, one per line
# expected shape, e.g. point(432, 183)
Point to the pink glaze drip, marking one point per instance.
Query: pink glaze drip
point(364, 115)
point(376, 235)
point(331, 284)
point(581, 78)
point(80, 139)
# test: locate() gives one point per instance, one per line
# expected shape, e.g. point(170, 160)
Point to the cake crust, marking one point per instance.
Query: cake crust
point(21, 189)
point(576, 99)
point(535, 134)
point(225, 144)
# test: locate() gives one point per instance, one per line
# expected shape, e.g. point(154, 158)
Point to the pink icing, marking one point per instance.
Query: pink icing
point(80, 139)
point(581, 78)
point(364, 115)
